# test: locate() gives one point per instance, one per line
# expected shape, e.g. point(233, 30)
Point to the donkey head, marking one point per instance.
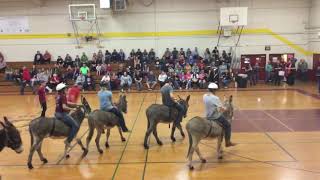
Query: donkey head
point(86, 105)
point(185, 104)
point(12, 135)
point(123, 104)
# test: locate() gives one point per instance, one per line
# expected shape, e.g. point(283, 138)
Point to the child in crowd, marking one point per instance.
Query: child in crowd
point(98, 68)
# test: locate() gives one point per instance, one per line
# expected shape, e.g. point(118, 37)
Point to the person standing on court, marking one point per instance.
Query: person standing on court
point(213, 112)
point(106, 104)
point(42, 97)
point(73, 94)
point(169, 100)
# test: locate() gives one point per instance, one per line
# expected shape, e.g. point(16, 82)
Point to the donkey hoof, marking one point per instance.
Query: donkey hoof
point(100, 151)
point(191, 168)
point(83, 149)
point(107, 145)
point(123, 139)
point(160, 143)
point(84, 154)
point(45, 161)
point(67, 156)
point(220, 157)
point(183, 135)
point(146, 146)
point(173, 139)
point(30, 166)
point(203, 160)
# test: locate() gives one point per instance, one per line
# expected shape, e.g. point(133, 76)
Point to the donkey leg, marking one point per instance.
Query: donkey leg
point(42, 158)
point(108, 135)
point(121, 135)
point(81, 145)
point(98, 141)
point(203, 160)
point(172, 132)
point(219, 147)
point(181, 130)
point(150, 129)
point(32, 149)
point(155, 134)
point(194, 146)
point(88, 139)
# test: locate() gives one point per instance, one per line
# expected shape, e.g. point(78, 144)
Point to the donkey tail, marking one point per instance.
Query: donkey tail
point(31, 136)
point(190, 141)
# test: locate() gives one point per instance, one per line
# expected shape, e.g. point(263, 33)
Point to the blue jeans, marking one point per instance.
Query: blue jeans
point(180, 109)
point(226, 126)
point(69, 121)
point(118, 113)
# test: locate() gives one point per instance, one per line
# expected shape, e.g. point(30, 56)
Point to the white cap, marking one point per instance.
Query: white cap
point(60, 86)
point(213, 86)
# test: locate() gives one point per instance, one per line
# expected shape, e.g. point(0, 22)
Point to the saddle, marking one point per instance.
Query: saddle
point(211, 121)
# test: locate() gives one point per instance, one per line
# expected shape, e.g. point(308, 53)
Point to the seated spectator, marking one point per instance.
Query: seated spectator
point(3, 63)
point(69, 73)
point(139, 54)
point(223, 68)
point(182, 61)
point(194, 80)
point(26, 79)
point(195, 68)
point(202, 80)
point(122, 56)
point(207, 56)
point(89, 83)
point(84, 70)
point(76, 73)
point(17, 76)
point(215, 53)
point(109, 68)
point(68, 61)
point(77, 61)
point(175, 53)
point(114, 81)
point(157, 63)
point(125, 81)
point(182, 53)
point(107, 57)
point(151, 81)
point(144, 58)
point(138, 80)
point(189, 53)
point(54, 81)
point(81, 80)
point(93, 62)
point(145, 69)
point(47, 57)
point(98, 69)
point(188, 78)
point(187, 67)
point(167, 54)
point(38, 58)
point(43, 75)
point(106, 81)
point(226, 79)
point(84, 59)
point(151, 55)
point(177, 84)
point(60, 61)
point(100, 57)
point(34, 78)
point(195, 53)
point(162, 78)
point(8, 74)
point(190, 60)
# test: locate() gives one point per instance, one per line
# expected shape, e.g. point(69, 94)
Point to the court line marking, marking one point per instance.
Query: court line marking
point(278, 120)
point(124, 149)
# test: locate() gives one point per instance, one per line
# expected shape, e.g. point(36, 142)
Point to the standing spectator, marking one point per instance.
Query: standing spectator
point(139, 54)
point(89, 83)
point(175, 53)
point(42, 97)
point(278, 75)
point(249, 71)
point(290, 73)
point(144, 58)
point(138, 80)
point(47, 57)
point(122, 56)
point(3, 63)
point(106, 81)
point(26, 79)
point(132, 53)
point(182, 53)
point(303, 70)
point(318, 77)
point(107, 57)
point(77, 61)
point(126, 81)
point(84, 59)
point(38, 58)
point(151, 81)
point(215, 53)
point(60, 61)
point(100, 57)
point(207, 56)
point(256, 71)
point(84, 70)
point(162, 78)
point(68, 61)
point(115, 56)
point(151, 55)
point(268, 72)
point(73, 94)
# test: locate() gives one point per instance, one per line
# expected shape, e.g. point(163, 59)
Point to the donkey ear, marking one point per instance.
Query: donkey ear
point(188, 98)
point(7, 121)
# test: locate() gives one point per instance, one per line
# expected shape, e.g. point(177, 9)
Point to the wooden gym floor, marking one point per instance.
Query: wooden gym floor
point(278, 132)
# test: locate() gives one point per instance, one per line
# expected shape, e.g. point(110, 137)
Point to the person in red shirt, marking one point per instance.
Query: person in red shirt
point(42, 98)
point(26, 79)
point(73, 94)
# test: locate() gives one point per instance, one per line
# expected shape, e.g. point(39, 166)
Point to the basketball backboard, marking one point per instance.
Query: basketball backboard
point(234, 16)
point(82, 12)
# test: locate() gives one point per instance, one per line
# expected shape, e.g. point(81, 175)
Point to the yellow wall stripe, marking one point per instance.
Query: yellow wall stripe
point(160, 34)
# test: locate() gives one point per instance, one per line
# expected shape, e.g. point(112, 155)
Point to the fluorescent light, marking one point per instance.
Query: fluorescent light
point(104, 3)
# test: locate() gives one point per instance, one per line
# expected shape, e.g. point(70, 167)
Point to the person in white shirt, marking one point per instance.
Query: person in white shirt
point(105, 81)
point(162, 78)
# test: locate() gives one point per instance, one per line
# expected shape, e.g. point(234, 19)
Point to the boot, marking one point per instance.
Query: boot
point(229, 144)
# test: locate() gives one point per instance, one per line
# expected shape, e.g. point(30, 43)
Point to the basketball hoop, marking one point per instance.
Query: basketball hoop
point(82, 18)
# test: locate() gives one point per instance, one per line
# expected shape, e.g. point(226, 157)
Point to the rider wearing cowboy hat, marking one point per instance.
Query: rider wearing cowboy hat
point(62, 109)
point(214, 109)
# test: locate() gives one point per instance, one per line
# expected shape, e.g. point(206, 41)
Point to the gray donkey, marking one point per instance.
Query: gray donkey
point(101, 120)
point(199, 128)
point(41, 128)
point(158, 113)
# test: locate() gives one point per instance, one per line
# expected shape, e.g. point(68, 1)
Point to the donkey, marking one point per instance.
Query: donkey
point(10, 137)
point(43, 127)
point(199, 128)
point(100, 120)
point(158, 113)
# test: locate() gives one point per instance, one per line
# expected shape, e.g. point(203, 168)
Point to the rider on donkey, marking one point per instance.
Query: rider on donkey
point(62, 109)
point(214, 109)
point(169, 100)
point(106, 104)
